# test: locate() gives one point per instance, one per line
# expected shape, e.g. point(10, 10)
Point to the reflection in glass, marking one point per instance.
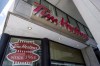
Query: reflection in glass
point(72, 22)
point(10, 49)
point(32, 1)
point(88, 32)
point(60, 14)
point(81, 28)
point(61, 55)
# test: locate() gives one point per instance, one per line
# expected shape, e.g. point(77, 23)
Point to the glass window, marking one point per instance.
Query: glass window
point(72, 22)
point(60, 14)
point(31, 1)
point(61, 52)
point(81, 28)
point(23, 52)
point(45, 3)
point(50, 7)
point(88, 32)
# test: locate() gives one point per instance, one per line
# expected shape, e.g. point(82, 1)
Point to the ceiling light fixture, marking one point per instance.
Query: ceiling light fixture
point(59, 38)
point(29, 28)
point(77, 45)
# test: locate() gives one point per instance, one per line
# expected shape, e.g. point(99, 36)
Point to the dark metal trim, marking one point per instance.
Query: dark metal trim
point(3, 45)
point(45, 52)
point(25, 37)
point(67, 62)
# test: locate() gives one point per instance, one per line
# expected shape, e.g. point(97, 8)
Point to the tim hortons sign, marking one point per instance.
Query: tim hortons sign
point(24, 53)
point(45, 14)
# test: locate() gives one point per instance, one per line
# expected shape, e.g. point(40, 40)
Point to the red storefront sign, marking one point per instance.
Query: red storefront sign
point(23, 57)
point(45, 13)
point(24, 53)
point(25, 46)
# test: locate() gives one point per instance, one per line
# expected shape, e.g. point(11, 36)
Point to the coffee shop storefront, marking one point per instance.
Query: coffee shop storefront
point(26, 51)
point(32, 45)
point(42, 40)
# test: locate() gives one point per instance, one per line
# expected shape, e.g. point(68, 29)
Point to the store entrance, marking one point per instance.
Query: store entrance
point(26, 51)
point(22, 51)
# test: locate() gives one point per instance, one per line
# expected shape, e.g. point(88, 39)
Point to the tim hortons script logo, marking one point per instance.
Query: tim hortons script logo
point(44, 12)
point(24, 53)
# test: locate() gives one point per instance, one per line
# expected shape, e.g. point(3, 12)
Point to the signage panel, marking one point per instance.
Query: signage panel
point(24, 53)
point(44, 13)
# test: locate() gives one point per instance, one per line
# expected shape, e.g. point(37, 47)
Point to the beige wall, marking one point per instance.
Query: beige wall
point(91, 16)
point(90, 57)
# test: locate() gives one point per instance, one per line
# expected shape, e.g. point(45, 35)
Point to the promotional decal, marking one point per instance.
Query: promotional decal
point(24, 53)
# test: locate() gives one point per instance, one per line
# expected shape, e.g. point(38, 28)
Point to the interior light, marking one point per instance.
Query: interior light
point(29, 28)
point(59, 38)
point(77, 45)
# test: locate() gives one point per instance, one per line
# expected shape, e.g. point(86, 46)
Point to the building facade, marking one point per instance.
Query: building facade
point(40, 33)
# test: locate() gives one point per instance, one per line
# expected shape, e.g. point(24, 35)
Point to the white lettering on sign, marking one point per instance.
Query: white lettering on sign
point(24, 53)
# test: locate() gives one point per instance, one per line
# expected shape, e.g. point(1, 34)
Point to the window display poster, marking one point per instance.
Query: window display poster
point(23, 52)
